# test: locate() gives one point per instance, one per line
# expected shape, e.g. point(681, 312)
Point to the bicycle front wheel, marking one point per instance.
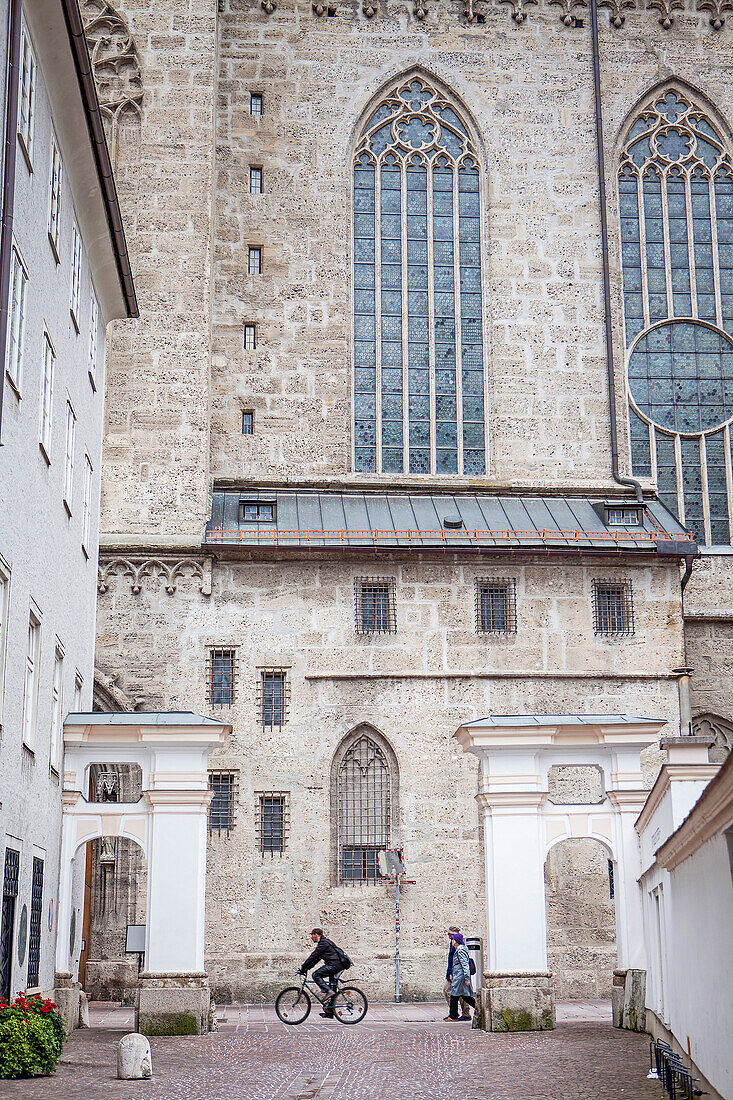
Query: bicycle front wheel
point(350, 1005)
point(293, 1005)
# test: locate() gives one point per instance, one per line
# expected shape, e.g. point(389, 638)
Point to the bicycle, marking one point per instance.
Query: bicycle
point(293, 1004)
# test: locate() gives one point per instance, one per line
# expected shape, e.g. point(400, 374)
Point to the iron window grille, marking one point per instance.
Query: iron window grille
point(613, 607)
point(11, 874)
point(221, 677)
point(375, 605)
point(274, 697)
point(611, 883)
point(248, 422)
point(255, 103)
point(34, 925)
point(496, 606)
point(273, 822)
point(222, 809)
point(364, 808)
point(257, 511)
point(254, 266)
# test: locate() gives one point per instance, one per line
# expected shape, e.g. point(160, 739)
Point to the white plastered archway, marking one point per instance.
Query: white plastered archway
point(520, 825)
point(168, 823)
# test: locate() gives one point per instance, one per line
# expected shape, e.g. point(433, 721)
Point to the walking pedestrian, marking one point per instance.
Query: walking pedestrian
point(460, 986)
point(465, 1015)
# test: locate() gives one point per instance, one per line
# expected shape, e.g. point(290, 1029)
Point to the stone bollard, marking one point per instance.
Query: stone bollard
point(83, 1009)
point(133, 1057)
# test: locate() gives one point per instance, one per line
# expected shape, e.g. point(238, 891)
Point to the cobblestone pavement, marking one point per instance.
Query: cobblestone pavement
point(400, 1052)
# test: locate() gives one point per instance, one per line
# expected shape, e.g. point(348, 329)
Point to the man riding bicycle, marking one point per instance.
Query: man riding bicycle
point(333, 960)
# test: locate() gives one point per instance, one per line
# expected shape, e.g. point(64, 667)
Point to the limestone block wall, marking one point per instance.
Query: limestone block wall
point(157, 424)
point(708, 612)
point(528, 88)
point(415, 687)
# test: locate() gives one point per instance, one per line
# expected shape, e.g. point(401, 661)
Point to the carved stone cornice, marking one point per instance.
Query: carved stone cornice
point(420, 10)
point(167, 570)
point(369, 8)
point(716, 9)
point(566, 10)
point(616, 10)
point(268, 6)
point(665, 9)
point(115, 60)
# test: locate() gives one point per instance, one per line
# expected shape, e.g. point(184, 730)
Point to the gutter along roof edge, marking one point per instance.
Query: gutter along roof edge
point(105, 174)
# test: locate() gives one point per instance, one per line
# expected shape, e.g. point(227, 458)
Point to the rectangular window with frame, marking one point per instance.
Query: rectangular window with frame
point(69, 460)
point(18, 292)
point(93, 337)
point(76, 257)
point(34, 924)
point(272, 822)
point(86, 519)
point(27, 96)
point(613, 607)
point(255, 103)
point(54, 210)
point(250, 337)
point(375, 605)
point(222, 809)
point(49, 372)
point(361, 864)
point(255, 180)
point(78, 688)
point(222, 675)
point(254, 266)
point(257, 511)
point(496, 605)
point(57, 707)
point(248, 422)
point(30, 692)
point(274, 691)
point(4, 609)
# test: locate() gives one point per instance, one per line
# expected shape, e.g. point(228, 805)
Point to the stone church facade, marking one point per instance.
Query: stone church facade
point(362, 479)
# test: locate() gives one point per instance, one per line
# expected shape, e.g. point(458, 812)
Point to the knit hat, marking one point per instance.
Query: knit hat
point(457, 936)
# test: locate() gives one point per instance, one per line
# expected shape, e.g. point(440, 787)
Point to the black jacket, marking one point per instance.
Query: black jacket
point(325, 952)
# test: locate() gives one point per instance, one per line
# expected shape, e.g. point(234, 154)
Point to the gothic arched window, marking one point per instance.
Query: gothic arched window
point(418, 344)
point(364, 780)
point(676, 210)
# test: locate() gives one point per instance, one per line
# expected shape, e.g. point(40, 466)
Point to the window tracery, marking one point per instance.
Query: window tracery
point(676, 214)
point(418, 342)
point(364, 809)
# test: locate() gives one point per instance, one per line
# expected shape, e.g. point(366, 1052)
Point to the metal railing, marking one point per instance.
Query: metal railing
point(444, 535)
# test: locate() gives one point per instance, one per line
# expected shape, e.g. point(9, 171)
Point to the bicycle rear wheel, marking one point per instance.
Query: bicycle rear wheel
point(293, 1005)
point(350, 1005)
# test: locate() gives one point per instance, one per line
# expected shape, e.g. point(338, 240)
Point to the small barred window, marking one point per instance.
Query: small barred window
point(496, 606)
point(222, 677)
point(223, 804)
point(374, 599)
point(274, 697)
point(272, 822)
point(613, 607)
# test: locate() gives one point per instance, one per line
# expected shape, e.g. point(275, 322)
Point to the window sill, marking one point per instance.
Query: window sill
point(74, 321)
point(44, 452)
point(26, 152)
point(54, 248)
point(67, 506)
point(53, 774)
point(84, 551)
point(13, 385)
point(92, 381)
point(29, 752)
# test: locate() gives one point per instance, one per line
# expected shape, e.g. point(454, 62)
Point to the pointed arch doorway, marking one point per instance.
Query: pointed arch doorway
point(521, 825)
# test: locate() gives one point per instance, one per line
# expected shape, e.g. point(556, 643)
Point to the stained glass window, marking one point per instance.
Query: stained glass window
point(676, 219)
point(419, 404)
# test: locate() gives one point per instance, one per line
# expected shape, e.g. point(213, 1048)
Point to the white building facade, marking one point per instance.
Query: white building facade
point(65, 275)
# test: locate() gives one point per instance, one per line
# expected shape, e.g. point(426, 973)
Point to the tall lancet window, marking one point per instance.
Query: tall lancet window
point(418, 341)
point(676, 209)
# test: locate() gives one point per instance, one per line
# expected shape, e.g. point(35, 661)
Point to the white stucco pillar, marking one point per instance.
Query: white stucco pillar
point(629, 913)
point(175, 929)
point(65, 904)
point(515, 886)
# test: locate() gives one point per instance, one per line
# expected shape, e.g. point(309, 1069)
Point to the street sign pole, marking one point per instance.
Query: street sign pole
point(397, 939)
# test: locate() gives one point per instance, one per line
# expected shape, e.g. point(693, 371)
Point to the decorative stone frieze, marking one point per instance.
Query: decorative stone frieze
point(420, 10)
point(566, 10)
point(665, 9)
point(715, 9)
point(369, 9)
point(115, 59)
point(269, 6)
point(616, 10)
point(166, 569)
point(519, 8)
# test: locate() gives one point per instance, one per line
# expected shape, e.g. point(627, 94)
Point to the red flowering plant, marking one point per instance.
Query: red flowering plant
point(32, 1034)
